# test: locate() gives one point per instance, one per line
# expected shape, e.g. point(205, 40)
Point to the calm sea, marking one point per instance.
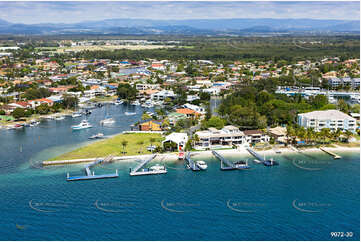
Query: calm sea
point(306, 197)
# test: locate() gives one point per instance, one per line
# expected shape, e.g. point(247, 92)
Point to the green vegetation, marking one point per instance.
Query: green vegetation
point(123, 144)
point(126, 91)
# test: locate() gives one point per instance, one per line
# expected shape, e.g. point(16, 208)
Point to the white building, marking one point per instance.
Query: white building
point(180, 139)
point(196, 108)
point(332, 119)
point(163, 95)
point(224, 138)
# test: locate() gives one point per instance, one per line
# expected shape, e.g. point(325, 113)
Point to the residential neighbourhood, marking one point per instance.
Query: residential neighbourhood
point(180, 93)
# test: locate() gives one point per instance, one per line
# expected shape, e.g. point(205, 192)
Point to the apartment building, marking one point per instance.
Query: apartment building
point(332, 119)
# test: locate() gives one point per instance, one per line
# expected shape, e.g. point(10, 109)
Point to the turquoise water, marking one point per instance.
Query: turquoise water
point(306, 197)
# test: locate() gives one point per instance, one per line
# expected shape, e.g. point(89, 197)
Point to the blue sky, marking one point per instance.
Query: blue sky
point(70, 12)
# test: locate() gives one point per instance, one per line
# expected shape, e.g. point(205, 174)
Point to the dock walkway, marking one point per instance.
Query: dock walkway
point(255, 154)
point(89, 175)
point(141, 164)
point(192, 165)
point(335, 156)
point(229, 165)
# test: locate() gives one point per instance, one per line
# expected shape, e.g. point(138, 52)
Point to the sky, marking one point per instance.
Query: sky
point(72, 12)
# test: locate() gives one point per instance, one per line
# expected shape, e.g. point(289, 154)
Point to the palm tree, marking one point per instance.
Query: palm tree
point(124, 144)
point(290, 132)
point(151, 140)
point(140, 143)
point(310, 134)
point(348, 134)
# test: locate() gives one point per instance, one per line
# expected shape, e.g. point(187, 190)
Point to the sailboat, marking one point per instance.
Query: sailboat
point(108, 120)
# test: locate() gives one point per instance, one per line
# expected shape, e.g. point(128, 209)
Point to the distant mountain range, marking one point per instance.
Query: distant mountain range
point(184, 27)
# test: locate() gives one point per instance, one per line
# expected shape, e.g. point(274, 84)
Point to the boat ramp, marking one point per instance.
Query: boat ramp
point(146, 171)
point(91, 175)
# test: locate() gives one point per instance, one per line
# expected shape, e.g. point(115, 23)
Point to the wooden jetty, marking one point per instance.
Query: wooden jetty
point(227, 165)
point(335, 156)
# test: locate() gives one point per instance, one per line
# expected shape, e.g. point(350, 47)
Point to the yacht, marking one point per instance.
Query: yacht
point(97, 136)
point(34, 123)
point(202, 165)
point(76, 115)
point(118, 102)
point(107, 121)
point(270, 162)
point(242, 164)
point(136, 103)
point(59, 118)
point(83, 125)
point(130, 113)
point(157, 167)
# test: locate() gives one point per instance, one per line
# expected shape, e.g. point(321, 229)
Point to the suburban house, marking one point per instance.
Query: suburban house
point(332, 119)
point(279, 134)
point(188, 112)
point(196, 108)
point(256, 136)
point(150, 125)
point(177, 139)
point(162, 95)
point(37, 102)
point(174, 117)
point(214, 138)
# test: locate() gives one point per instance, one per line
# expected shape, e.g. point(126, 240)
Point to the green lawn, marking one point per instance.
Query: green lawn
point(113, 146)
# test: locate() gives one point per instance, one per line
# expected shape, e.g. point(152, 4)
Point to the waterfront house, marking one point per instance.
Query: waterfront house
point(150, 125)
point(279, 134)
point(174, 117)
point(214, 138)
point(188, 112)
point(175, 141)
point(332, 119)
point(256, 136)
point(37, 102)
point(162, 95)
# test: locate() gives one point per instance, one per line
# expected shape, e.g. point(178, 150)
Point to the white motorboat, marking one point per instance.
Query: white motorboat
point(34, 123)
point(118, 102)
point(107, 121)
point(97, 136)
point(136, 103)
point(157, 167)
point(58, 118)
point(76, 115)
point(241, 164)
point(202, 165)
point(130, 113)
point(83, 125)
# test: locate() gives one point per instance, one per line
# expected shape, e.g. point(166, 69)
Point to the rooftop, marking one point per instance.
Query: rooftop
point(327, 114)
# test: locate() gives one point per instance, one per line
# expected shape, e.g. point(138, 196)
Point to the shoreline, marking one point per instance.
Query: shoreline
point(171, 157)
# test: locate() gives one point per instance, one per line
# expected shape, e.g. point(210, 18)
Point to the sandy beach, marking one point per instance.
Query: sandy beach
point(171, 157)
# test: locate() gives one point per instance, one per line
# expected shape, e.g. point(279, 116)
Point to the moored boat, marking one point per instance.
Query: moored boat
point(107, 121)
point(130, 113)
point(83, 125)
point(202, 164)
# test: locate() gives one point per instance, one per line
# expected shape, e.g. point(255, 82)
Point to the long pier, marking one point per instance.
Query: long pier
point(335, 156)
point(90, 175)
point(229, 165)
point(192, 165)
